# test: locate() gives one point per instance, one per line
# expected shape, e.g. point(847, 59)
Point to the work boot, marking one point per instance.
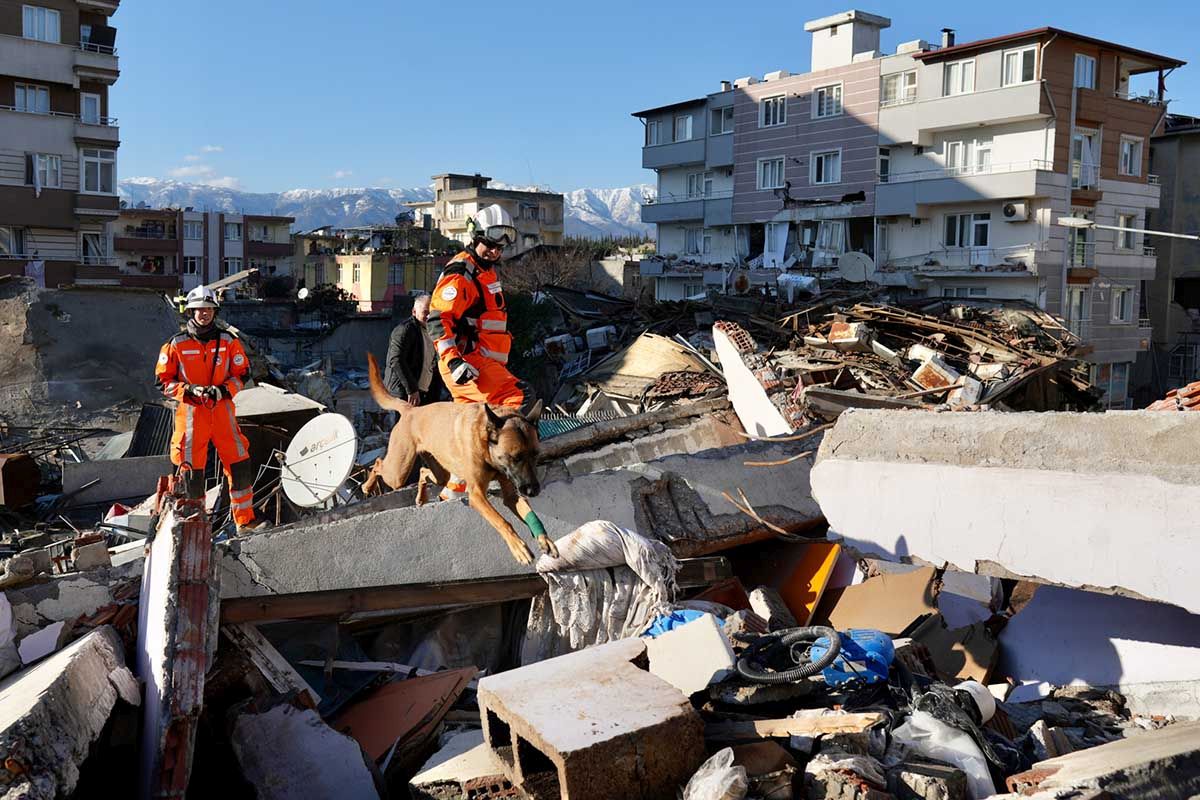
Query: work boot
point(258, 524)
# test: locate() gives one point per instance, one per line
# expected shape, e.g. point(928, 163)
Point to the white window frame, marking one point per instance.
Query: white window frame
point(194, 225)
point(781, 177)
point(1020, 53)
point(232, 231)
point(191, 265)
point(91, 156)
point(1107, 385)
point(830, 95)
point(725, 116)
point(37, 19)
point(1085, 71)
point(675, 128)
point(966, 224)
point(814, 156)
point(653, 132)
point(13, 239)
point(772, 111)
point(356, 272)
point(1131, 166)
point(964, 291)
point(227, 265)
point(1127, 241)
point(84, 117)
point(884, 165)
point(100, 240)
point(692, 241)
point(699, 184)
point(23, 92)
point(904, 92)
point(957, 81)
point(49, 166)
point(1129, 296)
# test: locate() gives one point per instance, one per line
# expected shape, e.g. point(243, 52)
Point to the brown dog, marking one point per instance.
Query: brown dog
point(471, 441)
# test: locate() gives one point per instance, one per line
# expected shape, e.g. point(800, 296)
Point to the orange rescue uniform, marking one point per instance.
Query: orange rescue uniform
point(214, 360)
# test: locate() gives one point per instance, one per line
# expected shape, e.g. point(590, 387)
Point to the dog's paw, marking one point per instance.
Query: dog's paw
point(547, 546)
point(521, 553)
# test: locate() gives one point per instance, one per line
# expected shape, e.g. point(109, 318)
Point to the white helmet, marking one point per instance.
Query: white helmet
point(201, 297)
point(493, 225)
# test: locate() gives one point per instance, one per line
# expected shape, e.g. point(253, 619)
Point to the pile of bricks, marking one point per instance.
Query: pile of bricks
point(1186, 398)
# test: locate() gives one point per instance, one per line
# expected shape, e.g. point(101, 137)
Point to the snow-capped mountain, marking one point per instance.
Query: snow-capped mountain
point(594, 213)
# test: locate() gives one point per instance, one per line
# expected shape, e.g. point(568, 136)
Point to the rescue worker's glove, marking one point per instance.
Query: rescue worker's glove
point(198, 392)
point(215, 393)
point(462, 371)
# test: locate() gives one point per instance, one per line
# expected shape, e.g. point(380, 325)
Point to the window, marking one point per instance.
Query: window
point(41, 24)
point(699, 184)
point(233, 231)
point(692, 241)
point(1085, 71)
point(958, 78)
point(1079, 240)
point(721, 122)
point(1019, 65)
point(191, 265)
point(772, 111)
point(885, 164)
point(983, 155)
point(968, 230)
point(1131, 155)
point(706, 243)
point(1085, 160)
point(956, 158)
point(99, 171)
point(33, 99)
point(94, 247)
point(1079, 310)
point(653, 132)
point(899, 87)
point(881, 241)
point(193, 230)
point(827, 101)
point(230, 266)
point(46, 171)
point(1113, 380)
point(319, 274)
point(11, 242)
point(455, 211)
point(826, 167)
point(1126, 240)
point(1122, 304)
point(683, 127)
point(693, 289)
point(356, 272)
point(89, 108)
point(964, 291)
point(770, 173)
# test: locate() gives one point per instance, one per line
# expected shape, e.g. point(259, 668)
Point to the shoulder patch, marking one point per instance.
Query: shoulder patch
point(449, 293)
point(239, 359)
point(162, 359)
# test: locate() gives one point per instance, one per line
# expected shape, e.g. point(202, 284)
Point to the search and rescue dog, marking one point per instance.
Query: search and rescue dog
point(472, 441)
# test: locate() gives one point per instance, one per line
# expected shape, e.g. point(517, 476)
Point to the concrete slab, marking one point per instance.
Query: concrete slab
point(985, 493)
point(120, 478)
point(387, 542)
point(37, 646)
point(286, 752)
point(591, 724)
point(66, 597)
point(51, 713)
point(693, 656)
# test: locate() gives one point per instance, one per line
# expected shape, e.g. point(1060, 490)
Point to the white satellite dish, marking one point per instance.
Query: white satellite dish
point(319, 460)
point(856, 267)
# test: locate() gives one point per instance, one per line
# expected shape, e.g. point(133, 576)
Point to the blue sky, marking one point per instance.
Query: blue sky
point(269, 95)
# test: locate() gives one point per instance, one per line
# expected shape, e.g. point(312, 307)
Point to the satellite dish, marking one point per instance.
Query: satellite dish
point(741, 283)
point(303, 293)
point(319, 460)
point(856, 267)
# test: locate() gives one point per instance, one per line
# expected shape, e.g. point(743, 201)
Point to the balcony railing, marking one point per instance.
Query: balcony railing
point(904, 99)
point(104, 49)
point(64, 115)
point(143, 233)
point(1144, 324)
point(1152, 180)
point(1149, 251)
point(1082, 254)
point(1084, 176)
point(969, 257)
point(671, 197)
point(1148, 99)
point(967, 170)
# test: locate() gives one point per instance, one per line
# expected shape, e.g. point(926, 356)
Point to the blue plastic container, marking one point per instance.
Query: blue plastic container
point(866, 656)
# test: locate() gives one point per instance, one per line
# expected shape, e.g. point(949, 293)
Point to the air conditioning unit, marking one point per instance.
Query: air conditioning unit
point(1016, 211)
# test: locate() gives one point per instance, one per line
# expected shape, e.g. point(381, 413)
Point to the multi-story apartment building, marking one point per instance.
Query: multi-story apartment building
point(58, 140)
point(372, 265)
point(538, 216)
point(174, 248)
point(948, 165)
point(1173, 297)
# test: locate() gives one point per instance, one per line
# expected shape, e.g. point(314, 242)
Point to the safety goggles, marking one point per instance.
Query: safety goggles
point(499, 235)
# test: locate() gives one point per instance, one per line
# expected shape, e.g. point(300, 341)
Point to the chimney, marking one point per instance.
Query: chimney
point(726, 86)
point(947, 37)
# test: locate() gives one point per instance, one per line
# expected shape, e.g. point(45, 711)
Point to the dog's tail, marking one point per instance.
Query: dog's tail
point(380, 394)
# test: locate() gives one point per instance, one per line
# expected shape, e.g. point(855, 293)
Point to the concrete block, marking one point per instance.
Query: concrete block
point(286, 752)
point(693, 656)
point(767, 604)
point(51, 713)
point(91, 556)
point(920, 780)
point(592, 724)
point(1000, 480)
point(464, 767)
point(120, 478)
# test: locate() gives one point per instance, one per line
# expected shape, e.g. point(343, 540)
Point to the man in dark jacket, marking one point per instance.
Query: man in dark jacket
point(411, 363)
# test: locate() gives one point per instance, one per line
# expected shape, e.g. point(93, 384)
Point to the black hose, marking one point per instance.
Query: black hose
point(753, 668)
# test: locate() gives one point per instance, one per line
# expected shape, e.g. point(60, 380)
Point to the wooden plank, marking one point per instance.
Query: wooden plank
point(339, 602)
point(736, 730)
point(379, 666)
point(270, 662)
point(613, 429)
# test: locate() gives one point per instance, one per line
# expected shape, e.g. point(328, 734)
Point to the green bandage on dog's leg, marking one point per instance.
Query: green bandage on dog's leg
point(535, 524)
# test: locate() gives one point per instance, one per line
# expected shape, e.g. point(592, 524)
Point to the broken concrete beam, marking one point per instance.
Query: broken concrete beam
point(998, 482)
point(926, 780)
point(677, 499)
point(51, 713)
point(464, 767)
point(613, 429)
point(286, 752)
point(736, 352)
point(1158, 764)
point(692, 656)
point(177, 637)
point(591, 724)
point(767, 604)
point(120, 478)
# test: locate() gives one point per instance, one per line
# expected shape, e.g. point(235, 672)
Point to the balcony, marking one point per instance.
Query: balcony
point(1014, 261)
point(906, 194)
point(917, 122)
point(142, 240)
point(714, 208)
point(32, 60)
point(98, 129)
point(268, 247)
point(97, 207)
point(657, 156)
point(96, 62)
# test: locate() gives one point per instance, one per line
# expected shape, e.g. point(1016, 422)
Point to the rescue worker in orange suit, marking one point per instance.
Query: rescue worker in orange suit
point(202, 369)
point(468, 323)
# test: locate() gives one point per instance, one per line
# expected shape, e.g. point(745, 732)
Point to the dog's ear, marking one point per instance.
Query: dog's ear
point(495, 421)
point(534, 414)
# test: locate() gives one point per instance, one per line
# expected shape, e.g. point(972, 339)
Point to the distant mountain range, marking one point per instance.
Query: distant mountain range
point(594, 213)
